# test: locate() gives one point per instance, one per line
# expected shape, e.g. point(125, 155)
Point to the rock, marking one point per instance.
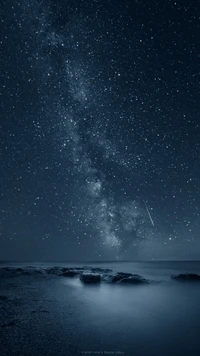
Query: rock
point(101, 270)
point(124, 278)
point(90, 277)
point(134, 279)
point(187, 277)
point(29, 271)
point(120, 275)
point(96, 269)
point(87, 274)
point(16, 272)
point(65, 271)
point(33, 271)
point(108, 278)
point(55, 270)
point(70, 273)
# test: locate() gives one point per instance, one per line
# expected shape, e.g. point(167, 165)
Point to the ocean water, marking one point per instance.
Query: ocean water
point(159, 319)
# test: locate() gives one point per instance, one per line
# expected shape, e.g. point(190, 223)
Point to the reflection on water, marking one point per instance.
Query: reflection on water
point(155, 319)
point(114, 297)
point(169, 296)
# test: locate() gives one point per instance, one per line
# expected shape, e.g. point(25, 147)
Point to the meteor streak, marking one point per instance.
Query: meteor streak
point(148, 212)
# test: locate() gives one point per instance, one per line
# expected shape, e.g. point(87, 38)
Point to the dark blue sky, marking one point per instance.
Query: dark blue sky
point(100, 136)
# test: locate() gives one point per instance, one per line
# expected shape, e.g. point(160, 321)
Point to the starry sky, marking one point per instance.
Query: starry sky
point(100, 130)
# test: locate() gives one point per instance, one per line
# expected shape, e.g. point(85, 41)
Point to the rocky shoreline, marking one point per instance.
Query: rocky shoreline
point(89, 274)
point(86, 274)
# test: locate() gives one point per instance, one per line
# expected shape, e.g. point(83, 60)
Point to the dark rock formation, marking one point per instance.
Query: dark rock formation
point(120, 275)
point(56, 270)
point(108, 278)
point(90, 277)
point(32, 271)
point(187, 277)
point(101, 270)
point(15, 272)
point(94, 269)
point(71, 273)
point(87, 274)
point(124, 278)
point(134, 279)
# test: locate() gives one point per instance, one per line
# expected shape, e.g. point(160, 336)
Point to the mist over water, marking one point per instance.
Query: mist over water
point(158, 319)
point(161, 318)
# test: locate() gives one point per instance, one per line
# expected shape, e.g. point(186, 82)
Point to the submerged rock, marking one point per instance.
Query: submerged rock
point(90, 277)
point(186, 277)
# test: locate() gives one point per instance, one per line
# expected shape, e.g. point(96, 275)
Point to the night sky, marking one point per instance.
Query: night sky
point(100, 129)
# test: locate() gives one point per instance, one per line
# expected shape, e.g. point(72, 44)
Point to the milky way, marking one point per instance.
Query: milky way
point(100, 129)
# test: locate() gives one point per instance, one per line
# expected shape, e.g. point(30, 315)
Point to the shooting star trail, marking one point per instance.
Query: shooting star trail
point(148, 212)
